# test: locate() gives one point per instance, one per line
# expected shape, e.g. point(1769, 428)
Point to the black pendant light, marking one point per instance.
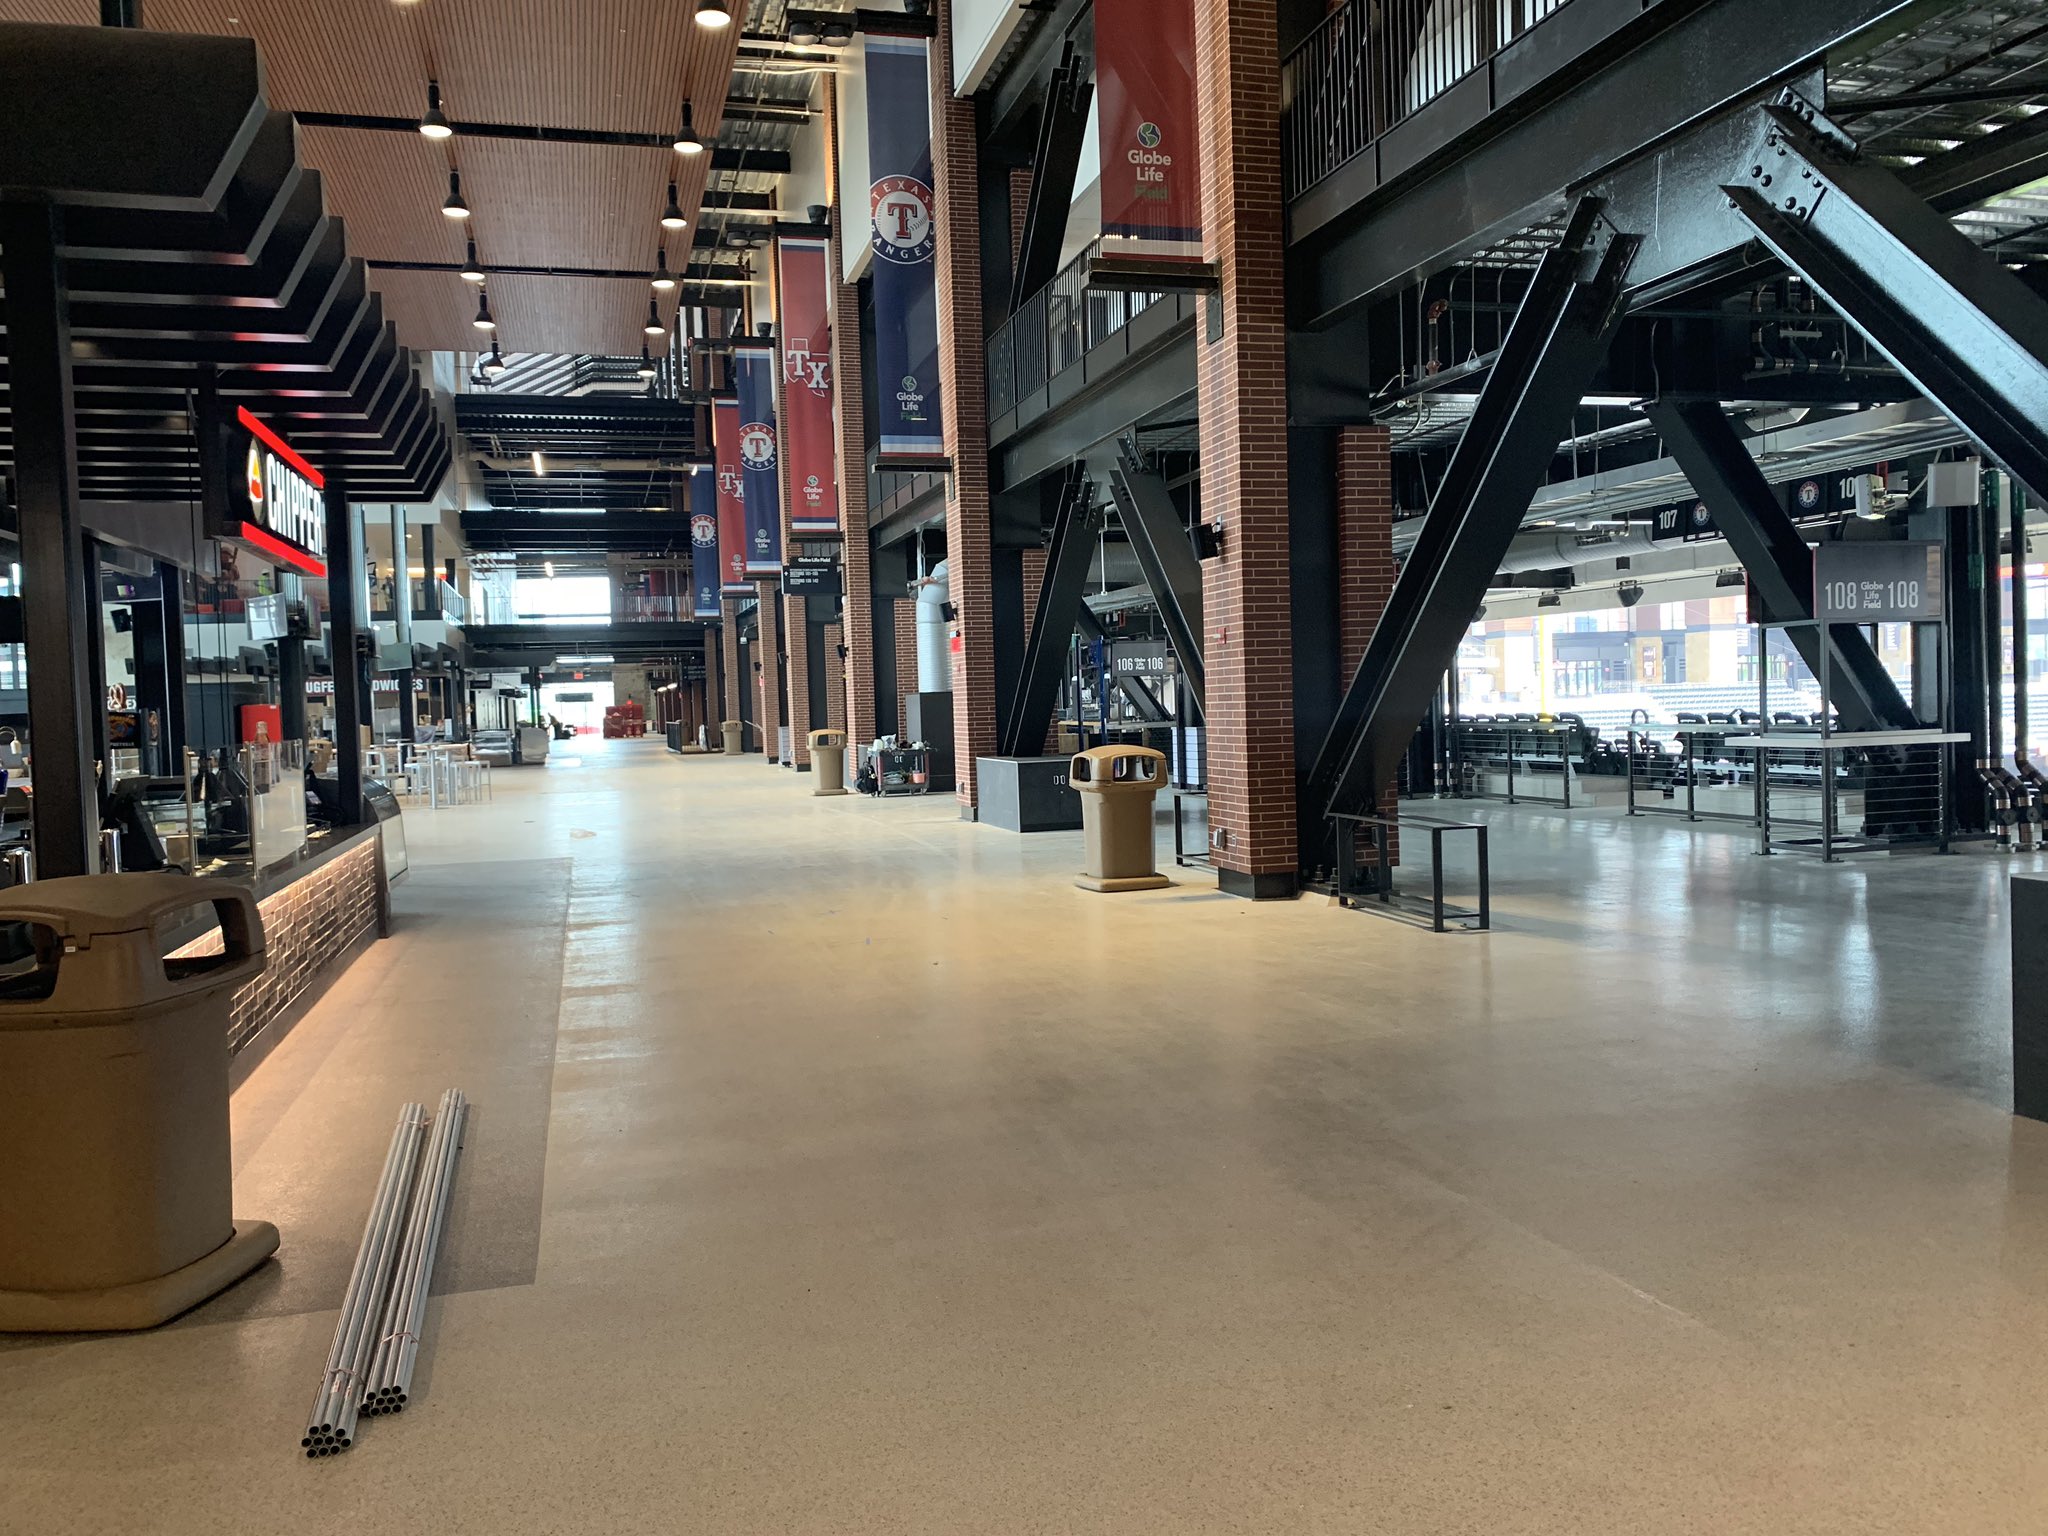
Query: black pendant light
point(714, 15)
point(654, 327)
point(435, 124)
point(672, 216)
point(483, 320)
point(455, 207)
point(472, 269)
point(687, 141)
point(663, 278)
point(646, 362)
point(494, 364)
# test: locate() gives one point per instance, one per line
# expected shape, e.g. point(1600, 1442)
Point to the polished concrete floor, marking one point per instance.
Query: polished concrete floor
point(839, 1167)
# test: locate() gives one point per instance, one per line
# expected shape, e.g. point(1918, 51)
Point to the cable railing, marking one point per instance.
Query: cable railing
point(1373, 63)
point(1054, 329)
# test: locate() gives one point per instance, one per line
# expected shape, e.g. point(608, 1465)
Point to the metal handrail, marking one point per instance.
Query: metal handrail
point(1054, 330)
point(1370, 64)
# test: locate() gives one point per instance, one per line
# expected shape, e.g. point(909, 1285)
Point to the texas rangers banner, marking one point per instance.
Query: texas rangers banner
point(1151, 160)
point(904, 234)
point(753, 371)
point(704, 542)
point(801, 266)
point(732, 500)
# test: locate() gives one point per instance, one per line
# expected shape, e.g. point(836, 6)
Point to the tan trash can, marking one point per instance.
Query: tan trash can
point(115, 1165)
point(828, 762)
point(1117, 786)
point(730, 729)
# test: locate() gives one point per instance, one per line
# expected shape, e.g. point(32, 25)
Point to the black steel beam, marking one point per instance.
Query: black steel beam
point(1947, 315)
point(1367, 239)
point(1141, 698)
point(2002, 161)
point(1062, 126)
point(62, 710)
point(1561, 333)
point(1167, 557)
point(1067, 559)
point(723, 157)
point(1766, 540)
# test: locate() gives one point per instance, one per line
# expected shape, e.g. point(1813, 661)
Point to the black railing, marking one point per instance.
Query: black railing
point(1056, 327)
point(1374, 62)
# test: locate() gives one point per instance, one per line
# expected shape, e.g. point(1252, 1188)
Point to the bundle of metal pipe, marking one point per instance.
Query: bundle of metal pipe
point(330, 1428)
point(390, 1379)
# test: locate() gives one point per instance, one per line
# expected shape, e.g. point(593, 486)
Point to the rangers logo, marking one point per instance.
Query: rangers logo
point(901, 207)
point(757, 445)
point(811, 370)
point(1701, 517)
point(1809, 495)
point(704, 529)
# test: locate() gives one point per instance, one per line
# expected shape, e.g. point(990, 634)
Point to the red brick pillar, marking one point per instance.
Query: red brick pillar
point(768, 653)
point(1242, 391)
point(835, 669)
point(849, 415)
point(733, 685)
point(906, 655)
point(963, 392)
point(1365, 557)
point(796, 623)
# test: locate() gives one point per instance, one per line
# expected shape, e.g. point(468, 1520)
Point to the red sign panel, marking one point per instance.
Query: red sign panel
point(1151, 152)
point(807, 431)
point(732, 500)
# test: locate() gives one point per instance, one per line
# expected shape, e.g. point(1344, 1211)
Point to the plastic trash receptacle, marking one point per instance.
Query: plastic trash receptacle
point(730, 730)
point(116, 1176)
point(1117, 786)
point(828, 762)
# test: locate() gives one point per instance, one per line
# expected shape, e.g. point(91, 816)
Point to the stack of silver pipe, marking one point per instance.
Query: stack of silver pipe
point(330, 1428)
point(390, 1378)
point(376, 1339)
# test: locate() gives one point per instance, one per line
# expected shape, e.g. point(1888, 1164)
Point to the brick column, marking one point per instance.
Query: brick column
point(963, 391)
point(1365, 551)
point(849, 415)
point(1242, 393)
point(770, 681)
point(835, 669)
point(729, 669)
point(796, 620)
point(906, 654)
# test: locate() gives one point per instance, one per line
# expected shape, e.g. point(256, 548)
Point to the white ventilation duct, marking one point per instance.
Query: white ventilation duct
point(934, 639)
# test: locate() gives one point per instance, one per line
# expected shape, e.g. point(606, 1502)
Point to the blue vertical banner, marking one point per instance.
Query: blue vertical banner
point(904, 231)
point(704, 542)
point(754, 370)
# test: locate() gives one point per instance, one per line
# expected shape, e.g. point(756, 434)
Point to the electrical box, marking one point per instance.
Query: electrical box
point(1955, 484)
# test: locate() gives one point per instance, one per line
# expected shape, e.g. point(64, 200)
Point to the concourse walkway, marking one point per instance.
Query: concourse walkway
point(836, 1166)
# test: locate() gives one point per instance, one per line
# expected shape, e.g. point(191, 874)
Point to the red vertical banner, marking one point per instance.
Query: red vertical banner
point(732, 501)
point(1151, 149)
point(805, 325)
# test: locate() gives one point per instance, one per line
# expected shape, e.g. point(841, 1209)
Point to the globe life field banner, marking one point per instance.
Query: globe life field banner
point(753, 371)
point(1151, 150)
point(807, 431)
point(904, 231)
point(732, 500)
point(703, 510)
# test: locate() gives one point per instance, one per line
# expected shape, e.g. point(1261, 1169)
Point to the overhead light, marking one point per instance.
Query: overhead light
point(455, 207)
point(483, 320)
point(435, 124)
point(714, 14)
point(654, 327)
point(540, 467)
point(672, 215)
point(494, 364)
point(738, 240)
point(549, 567)
point(646, 362)
point(759, 239)
point(687, 141)
point(663, 279)
point(472, 269)
point(1549, 600)
point(804, 34)
point(837, 35)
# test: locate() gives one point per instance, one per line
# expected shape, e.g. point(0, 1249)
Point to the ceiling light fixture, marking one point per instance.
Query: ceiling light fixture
point(803, 33)
point(687, 141)
point(549, 567)
point(455, 207)
point(540, 467)
point(472, 269)
point(646, 362)
point(663, 279)
point(435, 124)
point(672, 216)
point(714, 14)
point(483, 320)
point(495, 364)
point(654, 327)
point(838, 35)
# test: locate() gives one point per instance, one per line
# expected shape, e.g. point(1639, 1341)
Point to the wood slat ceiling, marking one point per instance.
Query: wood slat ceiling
point(610, 65)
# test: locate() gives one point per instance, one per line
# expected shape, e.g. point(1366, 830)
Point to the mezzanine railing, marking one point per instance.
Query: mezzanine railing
point(1056, 327)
